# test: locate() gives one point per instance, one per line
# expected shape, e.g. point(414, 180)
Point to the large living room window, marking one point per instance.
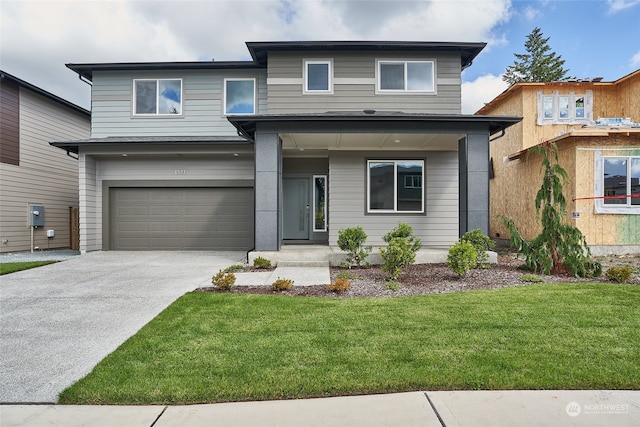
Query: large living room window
point(239, 96)
point(395, 186)
point(621, 176)
point(157, 97)
point(405, 76)
point(317, 76)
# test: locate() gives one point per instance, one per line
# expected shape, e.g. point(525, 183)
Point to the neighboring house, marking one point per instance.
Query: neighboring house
point(595, 127)
point(303, 140)
point(32, 172)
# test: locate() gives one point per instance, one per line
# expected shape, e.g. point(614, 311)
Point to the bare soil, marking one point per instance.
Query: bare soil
point(422, 279)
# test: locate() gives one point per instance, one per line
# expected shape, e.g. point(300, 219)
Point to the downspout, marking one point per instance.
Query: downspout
point(499, 136)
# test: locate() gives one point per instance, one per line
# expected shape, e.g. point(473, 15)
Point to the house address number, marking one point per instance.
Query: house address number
point(180, 172)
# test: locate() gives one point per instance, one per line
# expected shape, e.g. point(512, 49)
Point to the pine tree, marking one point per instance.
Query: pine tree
point(538, 64)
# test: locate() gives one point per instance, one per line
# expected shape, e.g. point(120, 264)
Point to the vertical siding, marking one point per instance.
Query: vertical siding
point(202, 91)
point(46, 175)
point(9, 123)
point(347, 198)
point(358, 70)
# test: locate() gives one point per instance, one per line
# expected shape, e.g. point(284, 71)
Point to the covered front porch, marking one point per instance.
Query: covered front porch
point(318, 173)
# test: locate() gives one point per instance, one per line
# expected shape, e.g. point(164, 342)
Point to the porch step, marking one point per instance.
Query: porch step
point(303, 263)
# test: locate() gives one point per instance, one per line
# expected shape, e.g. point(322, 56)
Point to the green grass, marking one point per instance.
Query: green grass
point(212, 347)
point(12, 267)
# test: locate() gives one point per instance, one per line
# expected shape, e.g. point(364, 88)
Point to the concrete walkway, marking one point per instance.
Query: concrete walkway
point(433, 408)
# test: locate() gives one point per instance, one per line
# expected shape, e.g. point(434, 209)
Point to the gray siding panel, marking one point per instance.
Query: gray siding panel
point(347, 198)
point(46, 175)
point(288, 98)
point(112, 113)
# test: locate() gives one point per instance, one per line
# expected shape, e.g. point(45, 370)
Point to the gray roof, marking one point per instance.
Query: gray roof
point(72, 146)
point(259, 53)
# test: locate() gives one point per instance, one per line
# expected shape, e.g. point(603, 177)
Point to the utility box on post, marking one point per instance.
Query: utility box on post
point(36, 215)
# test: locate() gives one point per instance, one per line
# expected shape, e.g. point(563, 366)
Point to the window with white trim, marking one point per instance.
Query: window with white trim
point(319, 203)
point(405, 76)
point(318, 76)
point(621, 176)
point(239, 96)
point(387, 189)
point(157, 97)
point(558, 108)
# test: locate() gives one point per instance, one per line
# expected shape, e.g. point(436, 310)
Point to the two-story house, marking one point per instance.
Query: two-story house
point(289, 147)
point(595, 127)
point(32, 172)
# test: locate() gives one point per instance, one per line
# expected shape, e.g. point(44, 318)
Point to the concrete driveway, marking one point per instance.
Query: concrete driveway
point(57, 322)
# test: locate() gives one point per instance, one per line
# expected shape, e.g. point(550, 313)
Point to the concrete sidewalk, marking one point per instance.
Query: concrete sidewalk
point(433, 408)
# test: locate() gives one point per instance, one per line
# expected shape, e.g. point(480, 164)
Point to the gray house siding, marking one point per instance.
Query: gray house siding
point(347, 197)
point(102, 170)
point(354, 84)
point(202, 109)
point(45, 175)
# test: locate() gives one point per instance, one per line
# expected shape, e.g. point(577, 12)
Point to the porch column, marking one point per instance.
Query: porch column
point(473, 155)
point(268, 176)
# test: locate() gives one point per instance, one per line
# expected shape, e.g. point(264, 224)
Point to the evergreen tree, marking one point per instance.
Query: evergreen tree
point(539, 64)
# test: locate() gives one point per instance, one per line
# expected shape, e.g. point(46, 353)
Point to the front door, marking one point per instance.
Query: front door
point(296, 210)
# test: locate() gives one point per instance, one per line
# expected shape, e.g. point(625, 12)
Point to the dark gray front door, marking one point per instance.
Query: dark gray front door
point(296, 209)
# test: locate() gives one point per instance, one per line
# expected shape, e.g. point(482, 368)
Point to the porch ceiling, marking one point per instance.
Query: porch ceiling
point(370, 141)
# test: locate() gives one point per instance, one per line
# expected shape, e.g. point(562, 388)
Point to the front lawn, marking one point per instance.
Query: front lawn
point(213, 347)
point(12, 267)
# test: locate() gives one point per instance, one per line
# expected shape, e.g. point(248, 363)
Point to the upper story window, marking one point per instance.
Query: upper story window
point(406, 76)
point(239, 96)
point(318, 75)
point(157, 96)
point(395, 186)
point(566, 108)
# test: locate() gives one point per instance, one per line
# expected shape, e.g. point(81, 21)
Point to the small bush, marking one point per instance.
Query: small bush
point(392, 285)
point(282, 284)
point(462, 257)
point(260, 262)
point(339, 286)
point(234, 268)
point(531, 278)
point(351, 240)
point(223, 280)
point(400, 251)
point(619, 274)
point(481, 244)
point(346, 274)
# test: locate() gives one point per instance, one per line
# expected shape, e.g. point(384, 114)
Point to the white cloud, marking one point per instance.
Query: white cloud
point(635, 60)
point(39, 37)
point(480, 91)
point(616, 6)
point(531, 14)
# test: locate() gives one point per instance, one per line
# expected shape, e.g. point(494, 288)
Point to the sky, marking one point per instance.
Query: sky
point(596, 38)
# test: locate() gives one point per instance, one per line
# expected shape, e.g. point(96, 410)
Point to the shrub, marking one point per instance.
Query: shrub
point(462, 257)
point(282, 284)
point(531, 278)
point(392, 285)
point(339, 286)
point(619, 274)
point(481, 244)
point(351, 240)
point(234, 268)
point(401, 250)
point(346, 274)
point(260, 262)
point(223, 280)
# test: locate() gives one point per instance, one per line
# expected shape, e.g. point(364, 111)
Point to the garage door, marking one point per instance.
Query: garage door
point(181, 218)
